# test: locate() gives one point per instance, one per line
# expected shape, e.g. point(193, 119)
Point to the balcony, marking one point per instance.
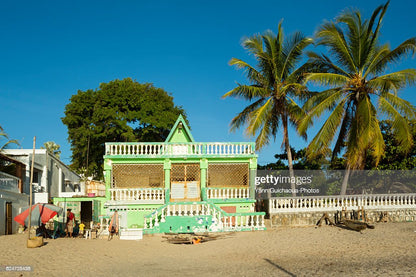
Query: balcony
point(138, 195)
point(9, 182)
point(162, 150)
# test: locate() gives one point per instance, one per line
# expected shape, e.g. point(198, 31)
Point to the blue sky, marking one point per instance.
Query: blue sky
point(51, 49)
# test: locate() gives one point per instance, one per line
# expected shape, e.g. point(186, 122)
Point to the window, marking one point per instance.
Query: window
point(228, 175)
point(137, 176)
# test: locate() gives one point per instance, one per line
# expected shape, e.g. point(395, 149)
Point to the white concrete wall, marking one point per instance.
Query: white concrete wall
point(19, 203)
point(52, 171)
point(40, 197)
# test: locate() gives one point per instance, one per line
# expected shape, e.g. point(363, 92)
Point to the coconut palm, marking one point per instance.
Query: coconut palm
point(52, 148)
point(360, 90)
point(275, 83)
point(3, 135)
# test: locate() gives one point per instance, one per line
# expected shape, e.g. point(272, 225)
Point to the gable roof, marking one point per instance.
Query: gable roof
point(180, 132)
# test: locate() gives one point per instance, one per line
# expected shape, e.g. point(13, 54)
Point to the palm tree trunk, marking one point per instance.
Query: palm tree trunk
point(289, 155)
point(345, 181)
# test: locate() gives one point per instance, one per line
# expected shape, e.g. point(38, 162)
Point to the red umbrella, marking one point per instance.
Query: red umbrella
point(41, 213)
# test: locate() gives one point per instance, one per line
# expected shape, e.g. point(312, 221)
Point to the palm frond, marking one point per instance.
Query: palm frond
point(332, 36)
point(393, 56)
point(322, 140)
point(247, 92)
point(343, 132)
point(265, 133)
point(400, 125)
point(372, 63)
point(380, 10)
point(404, 107)
point(273, 50)
point(327, 79)
point(252, 74)
point(295, 112)
point(352, 20)
point(322, 63)
point(322, 100)
point(292, 51)
point(257, 117)
point(376, 141)
point(393, 81)
point(253, 44)
point(243, 117)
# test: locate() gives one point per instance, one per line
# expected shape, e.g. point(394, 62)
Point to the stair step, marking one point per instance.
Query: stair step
point(131, 234)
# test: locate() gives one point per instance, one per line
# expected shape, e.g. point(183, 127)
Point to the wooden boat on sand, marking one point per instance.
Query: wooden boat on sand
point(357, 225)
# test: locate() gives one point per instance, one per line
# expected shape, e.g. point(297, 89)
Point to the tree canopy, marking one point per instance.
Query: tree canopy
point(396, 157)
point(118, 111)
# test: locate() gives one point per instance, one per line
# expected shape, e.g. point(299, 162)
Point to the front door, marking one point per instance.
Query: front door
point(185, 182)
point(9, 218)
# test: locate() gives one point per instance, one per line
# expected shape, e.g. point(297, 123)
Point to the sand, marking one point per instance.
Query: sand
point(388, 250)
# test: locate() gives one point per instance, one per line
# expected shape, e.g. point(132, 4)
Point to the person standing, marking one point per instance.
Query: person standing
point(81, 229)
point(70, 218)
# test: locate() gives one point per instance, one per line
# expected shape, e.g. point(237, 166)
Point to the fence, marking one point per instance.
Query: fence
point(337, 203)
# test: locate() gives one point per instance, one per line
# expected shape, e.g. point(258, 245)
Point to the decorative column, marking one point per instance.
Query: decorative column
point(107, 178)
point(167, 166)
point(60, 181)
point(204, 166)
point(253, 173)
point(44, 180)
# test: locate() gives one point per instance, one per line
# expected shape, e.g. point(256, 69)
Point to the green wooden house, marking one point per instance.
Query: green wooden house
point(181, 185)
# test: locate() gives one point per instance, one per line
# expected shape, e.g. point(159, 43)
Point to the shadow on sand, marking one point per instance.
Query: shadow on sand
point(281, 268)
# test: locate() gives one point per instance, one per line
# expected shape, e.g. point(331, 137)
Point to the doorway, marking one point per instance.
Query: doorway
point(9, 218)
point(86, 212)
point(185, 182)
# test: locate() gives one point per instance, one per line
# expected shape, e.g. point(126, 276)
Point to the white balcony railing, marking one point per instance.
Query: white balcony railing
point(224, 193)
point(139, 195)
point(337, 203)
point(180, 149)
point(9, 182)
point(221, 220)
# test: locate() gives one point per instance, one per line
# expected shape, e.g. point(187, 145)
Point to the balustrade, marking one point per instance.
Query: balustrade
point(224, 221)
point(224, 193)
point(336, 203)
point(179, 149)
point(137, 195)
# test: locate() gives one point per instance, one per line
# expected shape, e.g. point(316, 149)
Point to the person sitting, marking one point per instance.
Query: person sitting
point(43, 232)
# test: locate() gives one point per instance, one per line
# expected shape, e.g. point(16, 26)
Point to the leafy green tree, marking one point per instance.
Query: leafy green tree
point(395, 157)
point(360, 90)
point(275, 84)
point(52, 148)
point(5, 141)
point(118, 111)
point(300, 161)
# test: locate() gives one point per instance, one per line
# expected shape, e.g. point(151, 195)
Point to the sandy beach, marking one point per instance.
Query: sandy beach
point(387, 250)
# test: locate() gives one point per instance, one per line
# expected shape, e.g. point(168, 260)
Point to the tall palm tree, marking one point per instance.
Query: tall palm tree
point(275, 84)
point(361, 90)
